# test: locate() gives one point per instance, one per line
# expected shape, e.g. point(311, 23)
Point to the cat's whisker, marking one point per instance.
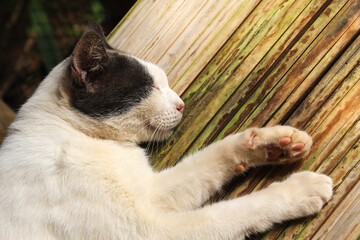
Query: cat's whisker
point(151, 138)
point(159, 129)
point(148, 124)
point(151, 145)
point(142, 129)
point(157, 142)
point(136, 125)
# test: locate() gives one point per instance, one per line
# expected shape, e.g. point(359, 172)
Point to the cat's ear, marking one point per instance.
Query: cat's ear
point(97, 28)
point(88, 57)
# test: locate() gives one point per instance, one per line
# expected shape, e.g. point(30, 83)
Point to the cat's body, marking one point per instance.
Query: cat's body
point(71, 168)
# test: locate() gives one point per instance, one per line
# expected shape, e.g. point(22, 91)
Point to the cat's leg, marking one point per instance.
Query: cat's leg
point(302, 194)
point(191, 182)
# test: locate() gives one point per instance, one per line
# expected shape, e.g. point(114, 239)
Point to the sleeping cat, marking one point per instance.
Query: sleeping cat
point(71, 167)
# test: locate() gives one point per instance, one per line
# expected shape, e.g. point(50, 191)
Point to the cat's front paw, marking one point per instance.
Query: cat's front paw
point(308, 192)
point(283, 144)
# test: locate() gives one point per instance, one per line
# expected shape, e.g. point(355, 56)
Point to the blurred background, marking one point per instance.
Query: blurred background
point(38, 34)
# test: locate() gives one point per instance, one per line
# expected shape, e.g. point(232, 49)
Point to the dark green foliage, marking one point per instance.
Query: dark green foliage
point(44, 35)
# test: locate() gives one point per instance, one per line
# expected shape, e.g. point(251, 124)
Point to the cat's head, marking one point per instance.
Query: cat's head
point(126, 96)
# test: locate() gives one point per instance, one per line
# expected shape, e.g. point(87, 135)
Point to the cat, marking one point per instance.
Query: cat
point(71, 166)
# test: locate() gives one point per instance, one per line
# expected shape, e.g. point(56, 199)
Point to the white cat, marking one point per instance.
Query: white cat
point(71, 167)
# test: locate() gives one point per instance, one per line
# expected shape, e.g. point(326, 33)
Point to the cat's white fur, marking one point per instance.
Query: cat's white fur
point(64, 175)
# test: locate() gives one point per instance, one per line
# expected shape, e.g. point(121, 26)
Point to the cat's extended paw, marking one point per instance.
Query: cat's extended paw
point(283, 144)
point(309, 192)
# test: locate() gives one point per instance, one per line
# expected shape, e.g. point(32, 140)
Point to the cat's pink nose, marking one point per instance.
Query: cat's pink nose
point(180, 107)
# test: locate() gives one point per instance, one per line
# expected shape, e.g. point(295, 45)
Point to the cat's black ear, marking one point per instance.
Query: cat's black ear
point(88, 57)
point(97, 28)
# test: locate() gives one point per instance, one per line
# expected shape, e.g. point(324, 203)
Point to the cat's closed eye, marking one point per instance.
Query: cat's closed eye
point(155, 87)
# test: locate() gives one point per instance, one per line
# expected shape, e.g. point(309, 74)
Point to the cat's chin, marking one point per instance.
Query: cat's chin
point(160, 134)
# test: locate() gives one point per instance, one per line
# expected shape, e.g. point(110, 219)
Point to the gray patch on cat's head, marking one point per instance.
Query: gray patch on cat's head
point(104, 81)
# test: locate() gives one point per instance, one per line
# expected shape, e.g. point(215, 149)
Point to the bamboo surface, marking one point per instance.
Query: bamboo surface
point(239, 64)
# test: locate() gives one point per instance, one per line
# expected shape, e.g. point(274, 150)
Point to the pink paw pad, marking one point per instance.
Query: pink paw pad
point(297, 146)
point(280, 151)
point(284, 141)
